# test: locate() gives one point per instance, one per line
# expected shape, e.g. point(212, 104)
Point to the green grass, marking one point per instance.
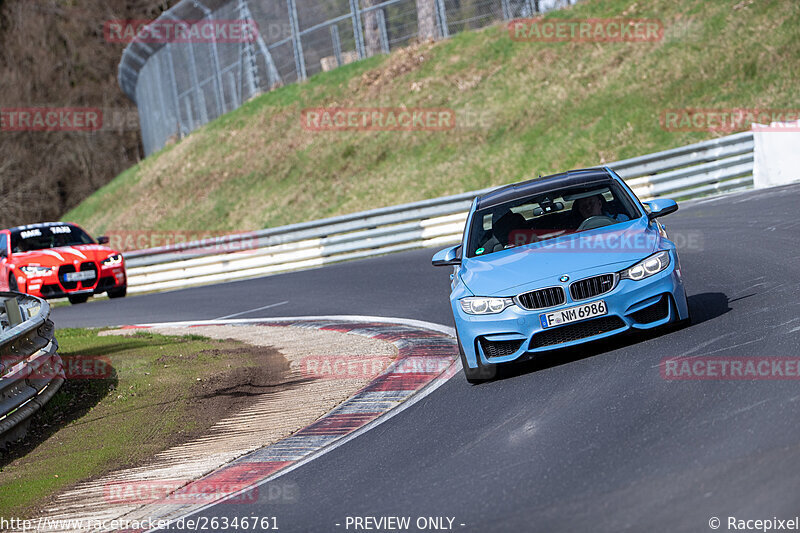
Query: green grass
point(523, 109)
point(93, 426)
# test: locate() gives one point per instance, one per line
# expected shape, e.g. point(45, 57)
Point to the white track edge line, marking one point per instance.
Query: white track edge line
point(431, 326)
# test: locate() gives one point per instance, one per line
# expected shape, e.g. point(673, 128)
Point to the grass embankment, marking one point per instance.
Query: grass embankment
point(157, 392)
point(523, 109)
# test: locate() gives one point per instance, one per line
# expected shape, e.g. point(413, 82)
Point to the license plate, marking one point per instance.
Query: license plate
point(79, 276)
point(573, 314)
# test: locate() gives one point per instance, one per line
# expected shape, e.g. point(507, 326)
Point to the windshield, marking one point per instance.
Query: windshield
point(41, 238)
point(548, 215)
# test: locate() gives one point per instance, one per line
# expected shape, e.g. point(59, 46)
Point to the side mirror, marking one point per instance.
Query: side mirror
point(103, 240)
point(448, 257)
point(661, 207)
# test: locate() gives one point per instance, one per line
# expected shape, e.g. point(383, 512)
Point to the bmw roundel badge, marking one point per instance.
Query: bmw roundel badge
point(563, 279)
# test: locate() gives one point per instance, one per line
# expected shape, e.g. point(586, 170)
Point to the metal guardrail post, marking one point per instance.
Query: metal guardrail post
point(189, 114)
point(249, 72)
point(384, 33)
point(247, 57)
point(272, 70)
point(218, 89)
point(232, 90)
point(273, 76)
point(299, 59)
point(175, 101)
point(506, 9)
point(201, 104)
point(528, 8)
point(337, 44)
point(160, 89)
point(13, 312)
point(358, 30)
point(441, 17)
point(201, 101)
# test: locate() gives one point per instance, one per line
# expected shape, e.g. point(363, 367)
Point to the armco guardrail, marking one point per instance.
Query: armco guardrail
point(709, 167)
point(31, 371)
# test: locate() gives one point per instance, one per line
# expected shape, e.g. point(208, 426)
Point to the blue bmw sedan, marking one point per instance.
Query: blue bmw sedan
point(559, 261)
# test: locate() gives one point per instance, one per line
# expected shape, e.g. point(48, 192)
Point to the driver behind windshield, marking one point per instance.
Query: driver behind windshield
point(594, 206)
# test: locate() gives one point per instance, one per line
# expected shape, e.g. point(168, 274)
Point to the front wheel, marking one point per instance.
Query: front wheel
point(475, 375)
point(119, 292)
point(681, 324)
point(12, 283)
point(75, 299)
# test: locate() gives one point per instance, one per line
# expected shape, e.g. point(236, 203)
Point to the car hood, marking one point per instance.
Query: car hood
point(516, 270)
point(63, 255)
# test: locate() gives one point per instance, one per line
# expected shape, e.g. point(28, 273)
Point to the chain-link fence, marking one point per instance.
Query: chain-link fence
point(179, 84)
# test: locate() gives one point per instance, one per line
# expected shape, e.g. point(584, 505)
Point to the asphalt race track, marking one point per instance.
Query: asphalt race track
point(589, 440)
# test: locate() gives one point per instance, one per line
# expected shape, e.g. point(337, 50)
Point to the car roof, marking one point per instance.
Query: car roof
point(528, 188)
point(40, 225)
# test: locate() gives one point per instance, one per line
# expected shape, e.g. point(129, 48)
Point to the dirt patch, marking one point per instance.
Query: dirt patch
point(231, 392)
point(398, 64)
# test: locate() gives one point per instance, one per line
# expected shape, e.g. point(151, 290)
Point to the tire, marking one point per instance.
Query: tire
point(12, 283)
point(120, 292)
point(475, 375)
point(680, 324)
point(75, 299)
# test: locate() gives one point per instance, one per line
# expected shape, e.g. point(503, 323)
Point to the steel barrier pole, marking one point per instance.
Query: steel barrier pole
point(175, 102)
point(299, 59)
point(383, 31)
point(218, 90)
point(337, 44)
point(358, 31)
point(441, 15)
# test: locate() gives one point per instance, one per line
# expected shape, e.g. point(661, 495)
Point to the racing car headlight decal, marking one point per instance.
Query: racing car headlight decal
point(113, 260)
point(485, 306)
point(36, 271)
point(647, 267)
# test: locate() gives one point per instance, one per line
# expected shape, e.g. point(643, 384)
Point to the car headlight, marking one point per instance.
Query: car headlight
point(113, 260)
point(485, 306)
point(36, 271)
point(646, 267)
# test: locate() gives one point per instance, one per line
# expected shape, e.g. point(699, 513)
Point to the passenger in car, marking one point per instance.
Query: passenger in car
point(503, 227)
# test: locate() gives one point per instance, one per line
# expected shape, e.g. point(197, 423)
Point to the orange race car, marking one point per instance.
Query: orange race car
point(58, 259)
